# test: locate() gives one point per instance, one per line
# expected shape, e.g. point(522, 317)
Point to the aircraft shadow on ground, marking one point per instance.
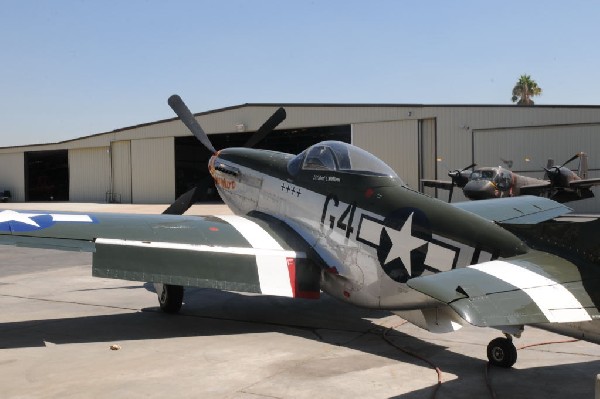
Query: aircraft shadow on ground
point(219, 313)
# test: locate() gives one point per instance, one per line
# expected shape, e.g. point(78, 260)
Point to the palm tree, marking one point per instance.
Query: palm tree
point(524, 90)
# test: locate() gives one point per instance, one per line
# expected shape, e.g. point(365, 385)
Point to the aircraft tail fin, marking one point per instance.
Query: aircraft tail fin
point(549, 165)
point(583, 165)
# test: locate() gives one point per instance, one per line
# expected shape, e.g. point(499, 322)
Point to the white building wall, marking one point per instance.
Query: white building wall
point(12, 175)
point(89, 174)
point(153, 170)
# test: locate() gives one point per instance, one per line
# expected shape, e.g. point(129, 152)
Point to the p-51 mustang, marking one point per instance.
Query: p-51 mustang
point(334, 218)
point(560, 184)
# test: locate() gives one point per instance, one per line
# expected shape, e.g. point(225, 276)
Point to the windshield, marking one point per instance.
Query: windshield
point(341, 157)
point(483, 175)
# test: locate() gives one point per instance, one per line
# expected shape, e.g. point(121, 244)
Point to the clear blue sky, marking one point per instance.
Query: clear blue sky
point(74, 68)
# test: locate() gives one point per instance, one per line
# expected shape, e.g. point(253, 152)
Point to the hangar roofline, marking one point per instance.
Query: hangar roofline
point(321, 105)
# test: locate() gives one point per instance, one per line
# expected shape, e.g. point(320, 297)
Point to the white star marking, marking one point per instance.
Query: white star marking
point(403, 243)
point(12, 216)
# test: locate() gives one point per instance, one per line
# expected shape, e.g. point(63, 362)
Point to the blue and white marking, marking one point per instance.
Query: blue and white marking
point(23, 221)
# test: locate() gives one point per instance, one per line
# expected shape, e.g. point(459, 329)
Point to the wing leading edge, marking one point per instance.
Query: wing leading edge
point(515, 210)
point(225, 252)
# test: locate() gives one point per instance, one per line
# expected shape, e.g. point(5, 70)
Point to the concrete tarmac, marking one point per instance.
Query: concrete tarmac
point(57, 326)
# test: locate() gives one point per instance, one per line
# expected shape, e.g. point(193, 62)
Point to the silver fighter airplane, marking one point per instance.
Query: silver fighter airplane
point(336, 219)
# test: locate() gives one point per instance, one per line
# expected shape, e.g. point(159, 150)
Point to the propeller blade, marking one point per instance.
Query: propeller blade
point(549, 165)
point(450, 195)
point(183, 203)
point(267, 127)
point(574, 157)
point(469, 167)
point(189, 198)
point(186, 116)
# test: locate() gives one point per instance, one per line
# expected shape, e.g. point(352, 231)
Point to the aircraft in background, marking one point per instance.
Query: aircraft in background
point(335, 218)
point(560, 184)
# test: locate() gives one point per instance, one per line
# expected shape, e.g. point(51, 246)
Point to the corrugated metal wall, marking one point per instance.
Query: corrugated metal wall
point(537, 144)
point(121, 171)
point(153, 170)
point(395, 143)
point(12, 175)
point(89, 174)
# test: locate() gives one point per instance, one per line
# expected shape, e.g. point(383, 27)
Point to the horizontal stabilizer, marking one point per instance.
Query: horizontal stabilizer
point(584, 183)
point(442, 184)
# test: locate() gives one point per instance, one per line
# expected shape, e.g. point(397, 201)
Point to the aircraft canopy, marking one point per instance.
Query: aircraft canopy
point(340, 157)
point(500, 177)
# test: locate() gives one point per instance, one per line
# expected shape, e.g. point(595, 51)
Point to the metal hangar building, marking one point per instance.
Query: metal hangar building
point(157, 161)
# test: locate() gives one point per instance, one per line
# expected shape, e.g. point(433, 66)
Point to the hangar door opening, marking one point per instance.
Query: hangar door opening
point(47, 175)
point(191, 158)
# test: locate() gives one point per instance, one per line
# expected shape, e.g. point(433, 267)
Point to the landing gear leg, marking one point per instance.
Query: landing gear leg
point(501, 352)
point(170, 297)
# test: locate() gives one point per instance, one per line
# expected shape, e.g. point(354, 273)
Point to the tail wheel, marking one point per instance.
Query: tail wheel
point(501, 352)
point(170, 297)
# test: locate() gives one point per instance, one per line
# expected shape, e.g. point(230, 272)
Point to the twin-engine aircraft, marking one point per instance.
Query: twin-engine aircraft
point(336, 219)
point(560, 183)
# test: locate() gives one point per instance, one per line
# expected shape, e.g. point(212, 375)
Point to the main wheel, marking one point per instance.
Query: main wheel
point(502, 352)
point(170, 297)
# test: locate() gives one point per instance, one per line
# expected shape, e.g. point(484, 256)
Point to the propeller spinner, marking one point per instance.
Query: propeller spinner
point(554, 172)
point(458, 179)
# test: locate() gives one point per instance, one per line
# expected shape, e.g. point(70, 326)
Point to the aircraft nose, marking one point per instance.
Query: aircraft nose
point(211, 163)
point(480, 189)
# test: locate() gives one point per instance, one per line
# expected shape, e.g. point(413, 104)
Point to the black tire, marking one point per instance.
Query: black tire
point(501, 352)
point(170, 297)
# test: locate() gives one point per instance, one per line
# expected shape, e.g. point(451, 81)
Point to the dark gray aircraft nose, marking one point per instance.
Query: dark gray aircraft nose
point(480, 189)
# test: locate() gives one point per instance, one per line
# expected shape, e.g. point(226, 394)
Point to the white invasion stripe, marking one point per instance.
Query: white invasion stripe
point(71, 218)
point(256, 235)
point(198, 248)
point(273, 273)
point(554, 300)
point(576, 219)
